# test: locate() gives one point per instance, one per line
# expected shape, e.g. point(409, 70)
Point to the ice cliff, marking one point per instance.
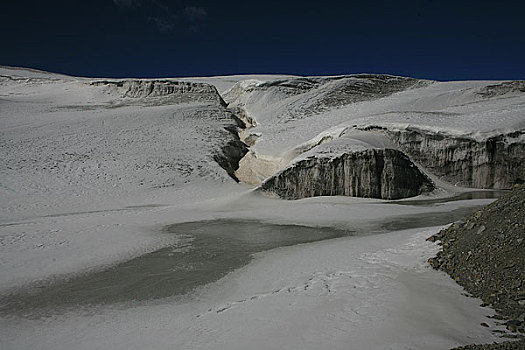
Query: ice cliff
point(150, 88)
point(495, 162)
point(375, 173)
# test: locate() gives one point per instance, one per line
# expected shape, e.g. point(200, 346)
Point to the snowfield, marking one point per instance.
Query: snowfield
point(94, 169)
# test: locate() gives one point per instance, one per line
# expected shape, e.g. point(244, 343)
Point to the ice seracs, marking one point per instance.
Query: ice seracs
point(373, 173)
point(493, 162)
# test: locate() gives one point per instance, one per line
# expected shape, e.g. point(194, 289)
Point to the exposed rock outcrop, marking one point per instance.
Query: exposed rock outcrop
point(374, 173)
point(508, 345)
point(495, 162)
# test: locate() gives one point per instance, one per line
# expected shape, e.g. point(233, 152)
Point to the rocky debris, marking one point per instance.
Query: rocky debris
point(496, 162)
point(508, 345)
point(374, 173)
point(515, 325)
point(485, 254)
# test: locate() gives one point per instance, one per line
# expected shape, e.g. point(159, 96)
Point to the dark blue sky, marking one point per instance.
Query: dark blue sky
point(442, 40)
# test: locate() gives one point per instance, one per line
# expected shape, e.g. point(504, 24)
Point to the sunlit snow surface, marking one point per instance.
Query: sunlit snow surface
point(82, 189)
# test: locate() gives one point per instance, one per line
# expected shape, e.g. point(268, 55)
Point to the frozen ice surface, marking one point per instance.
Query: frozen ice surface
point(365, 292)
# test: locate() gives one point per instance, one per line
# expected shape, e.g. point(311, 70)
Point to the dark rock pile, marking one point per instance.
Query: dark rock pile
point(508, 345)
point(485, 254)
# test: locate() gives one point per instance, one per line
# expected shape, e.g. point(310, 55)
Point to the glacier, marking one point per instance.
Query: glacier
point(95, 169)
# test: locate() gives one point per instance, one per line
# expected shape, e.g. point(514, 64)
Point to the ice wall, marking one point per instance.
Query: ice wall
point(181, 91)
point(495, 162)
point(374, 173)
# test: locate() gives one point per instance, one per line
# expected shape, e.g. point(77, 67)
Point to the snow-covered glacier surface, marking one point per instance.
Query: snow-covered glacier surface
point(466, 133)
point(97, 173)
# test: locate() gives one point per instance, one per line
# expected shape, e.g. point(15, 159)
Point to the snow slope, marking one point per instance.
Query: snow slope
point(73, 144)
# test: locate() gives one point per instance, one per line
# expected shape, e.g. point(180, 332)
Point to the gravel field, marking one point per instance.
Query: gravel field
point(485, 254)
